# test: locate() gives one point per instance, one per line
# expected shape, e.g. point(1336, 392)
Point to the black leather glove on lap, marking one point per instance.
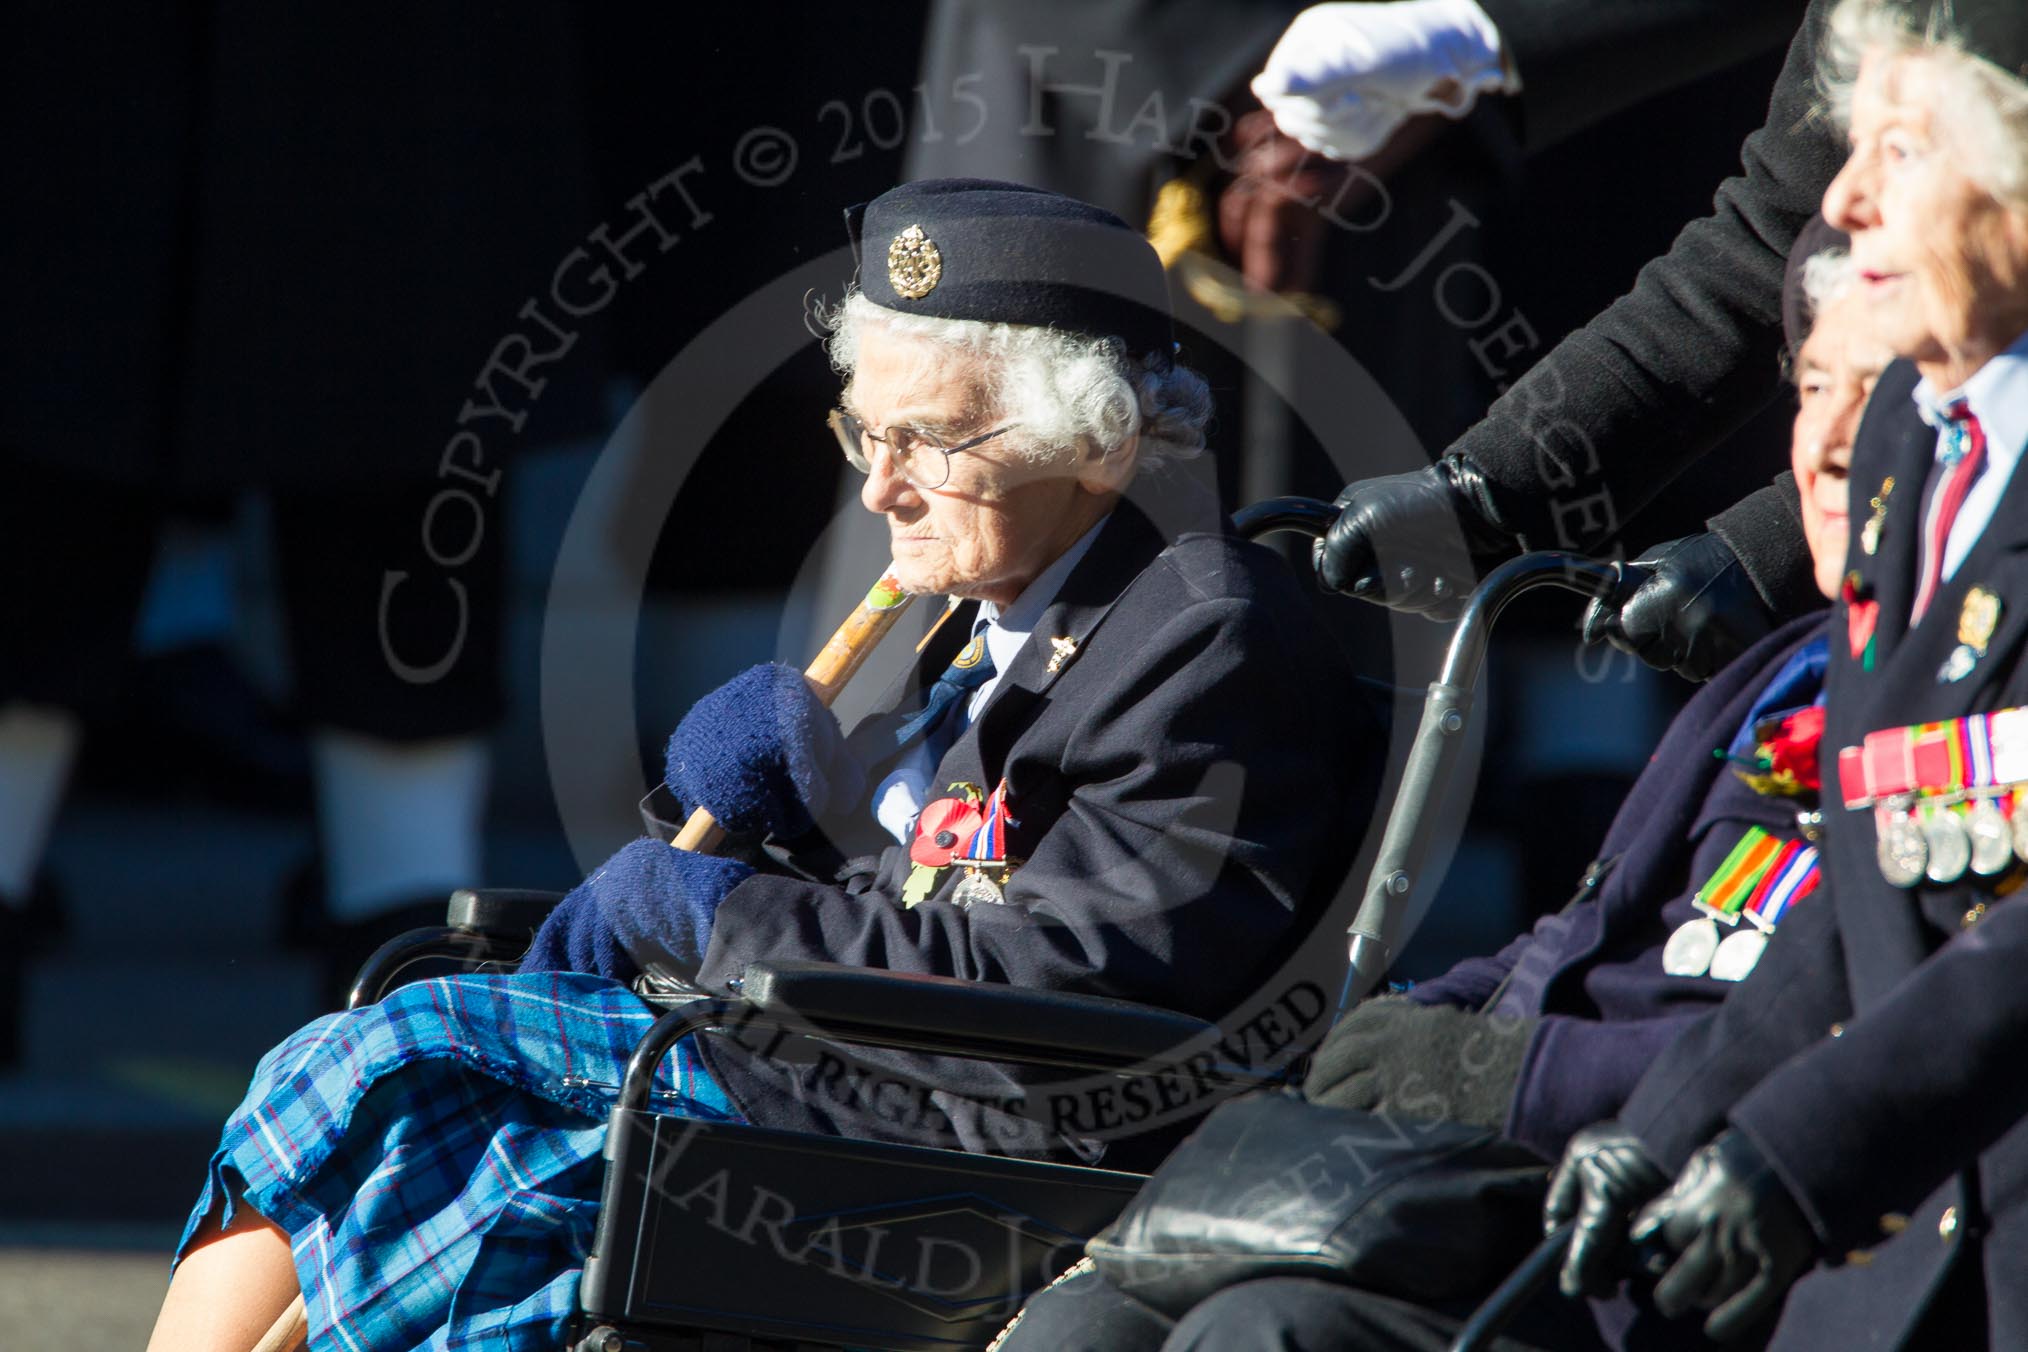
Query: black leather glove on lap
point(1414, 541)
point(1391, 1055)
point(1604, 1178)
point(1739, 1238)
point(1696, 610)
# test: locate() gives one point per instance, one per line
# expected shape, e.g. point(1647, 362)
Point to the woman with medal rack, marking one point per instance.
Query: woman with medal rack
point(1715, 845)
point(1848, 1134)
point(1173, 754)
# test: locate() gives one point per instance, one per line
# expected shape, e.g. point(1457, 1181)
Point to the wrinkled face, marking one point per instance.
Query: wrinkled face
point(1943, 263)
point(1001, 518)
point(1835, 372)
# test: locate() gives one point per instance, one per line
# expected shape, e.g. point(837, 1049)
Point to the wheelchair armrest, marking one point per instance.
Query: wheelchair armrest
point(970, 1018)
point(503, 911)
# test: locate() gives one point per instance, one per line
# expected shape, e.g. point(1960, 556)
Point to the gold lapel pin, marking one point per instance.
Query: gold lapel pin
point(1061, 651)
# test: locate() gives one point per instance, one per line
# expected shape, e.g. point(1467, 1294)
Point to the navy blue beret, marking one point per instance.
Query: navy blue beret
point(1004, 253)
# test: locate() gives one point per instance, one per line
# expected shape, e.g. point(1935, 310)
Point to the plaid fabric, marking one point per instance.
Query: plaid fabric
point(435, 1158)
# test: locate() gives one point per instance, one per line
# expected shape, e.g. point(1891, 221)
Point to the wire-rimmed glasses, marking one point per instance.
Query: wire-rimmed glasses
point(920, 456)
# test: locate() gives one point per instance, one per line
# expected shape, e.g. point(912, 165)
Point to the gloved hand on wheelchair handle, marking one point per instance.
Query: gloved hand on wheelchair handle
point(1692, 609)
point(650, 902)
point(763, 754)
point(1415, 541)
point(1738, 1238)
point(1392, 1055)
point(1605, 1176)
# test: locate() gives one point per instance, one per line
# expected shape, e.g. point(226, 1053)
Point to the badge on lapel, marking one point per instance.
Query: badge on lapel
point(1869, 534)
point(1976, 623)
point(1862, 619)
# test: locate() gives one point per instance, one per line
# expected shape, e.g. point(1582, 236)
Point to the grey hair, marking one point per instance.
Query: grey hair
point(1981, 109)
point(1060, 390)
point(1826, 277)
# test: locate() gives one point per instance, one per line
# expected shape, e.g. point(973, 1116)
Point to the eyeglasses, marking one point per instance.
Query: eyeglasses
point(919, 456)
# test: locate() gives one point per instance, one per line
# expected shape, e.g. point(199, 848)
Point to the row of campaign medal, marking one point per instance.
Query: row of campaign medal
point(1948, 800)
point(1944, 796)
point(1761, 879)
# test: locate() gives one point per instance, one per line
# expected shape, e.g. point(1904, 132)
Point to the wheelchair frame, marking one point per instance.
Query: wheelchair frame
point(662, 1276)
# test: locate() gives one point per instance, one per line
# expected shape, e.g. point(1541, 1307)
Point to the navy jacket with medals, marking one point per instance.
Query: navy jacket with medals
point(1189, 788)
point(1876, 1054)
point(1591, 975)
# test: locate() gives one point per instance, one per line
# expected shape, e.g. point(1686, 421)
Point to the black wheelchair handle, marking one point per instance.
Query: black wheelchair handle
point(1303, 516)
point(1499, 1309)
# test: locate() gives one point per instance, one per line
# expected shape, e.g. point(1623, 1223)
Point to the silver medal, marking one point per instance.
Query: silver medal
point(1902, 852)
point(1689, 950)
point(1949, 847)
point(1958, 665)
point(1992, 838)
point(1737, 955)
point(976, 889)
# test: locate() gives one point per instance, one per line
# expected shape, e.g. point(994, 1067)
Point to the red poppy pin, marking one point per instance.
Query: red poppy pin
point(1862, 617)
point(944, 830)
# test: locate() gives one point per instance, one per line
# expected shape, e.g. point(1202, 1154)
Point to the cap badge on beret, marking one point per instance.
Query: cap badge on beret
point(914, 267)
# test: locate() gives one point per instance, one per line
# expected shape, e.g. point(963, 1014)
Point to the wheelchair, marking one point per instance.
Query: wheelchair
point(908, 1247)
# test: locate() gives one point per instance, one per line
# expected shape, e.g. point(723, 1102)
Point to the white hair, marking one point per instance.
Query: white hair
point(1981, 110)
point(1059, 390)
point(1826, 277)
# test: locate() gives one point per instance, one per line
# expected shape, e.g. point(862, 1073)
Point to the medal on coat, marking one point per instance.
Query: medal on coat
point(1689, 950)
point(1760, 880)
point(1725, 894)
point(1901, 851)
point(1976, 623)
point(1947, 844)
point(1869, 534)
point(985, 862)
point(1991, 836)
point(1737, 955)
point(1948, 798)
point(976, 889)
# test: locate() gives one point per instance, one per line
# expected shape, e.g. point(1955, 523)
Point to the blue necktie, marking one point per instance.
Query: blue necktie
point(972, 668)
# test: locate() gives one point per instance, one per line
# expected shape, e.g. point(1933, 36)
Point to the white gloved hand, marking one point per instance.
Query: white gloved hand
point(1344, 77)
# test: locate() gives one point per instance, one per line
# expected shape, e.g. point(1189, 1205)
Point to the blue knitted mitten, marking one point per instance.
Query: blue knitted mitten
point(762, 754)
point(648, 902)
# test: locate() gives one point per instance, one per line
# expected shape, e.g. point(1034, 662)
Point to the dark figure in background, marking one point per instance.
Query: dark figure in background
point(267, 252)
point(1620, 407)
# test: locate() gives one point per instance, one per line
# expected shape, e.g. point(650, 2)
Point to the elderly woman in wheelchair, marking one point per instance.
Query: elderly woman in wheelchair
point(1122, 767)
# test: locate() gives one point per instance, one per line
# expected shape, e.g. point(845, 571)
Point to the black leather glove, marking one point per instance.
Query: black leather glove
point(1392, 1055)
point(1739, 1239)
point(1414, 541)
point(1604, 1178)
point(1693, 611)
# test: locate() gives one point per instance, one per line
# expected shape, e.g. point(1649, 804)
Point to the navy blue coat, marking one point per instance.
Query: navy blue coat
point(1188, 790)
point(1876, 1055)
point(1592, 973)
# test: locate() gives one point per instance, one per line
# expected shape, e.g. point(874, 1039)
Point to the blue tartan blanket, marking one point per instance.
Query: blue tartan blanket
point(435, 1158)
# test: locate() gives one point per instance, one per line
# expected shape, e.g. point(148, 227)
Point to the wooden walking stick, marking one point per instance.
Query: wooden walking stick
point(833, 666)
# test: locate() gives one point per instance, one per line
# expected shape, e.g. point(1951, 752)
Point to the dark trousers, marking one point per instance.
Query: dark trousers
point(1085, 1313)
point(384, 640)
